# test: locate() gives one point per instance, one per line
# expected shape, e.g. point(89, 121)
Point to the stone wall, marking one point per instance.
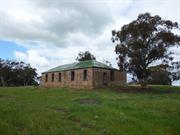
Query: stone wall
point(119, 77)
point(66, 81)
point(94, 78)
point(79, 81)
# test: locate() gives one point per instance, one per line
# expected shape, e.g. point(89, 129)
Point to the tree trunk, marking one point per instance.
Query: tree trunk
point(2, 81)
point(143, 83)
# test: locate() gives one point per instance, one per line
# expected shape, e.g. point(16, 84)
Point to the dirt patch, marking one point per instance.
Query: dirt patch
point(86, 125)
point(62, 110)
point(141, 90)
point(126, 98)
point(87, 101)
point(74, 118)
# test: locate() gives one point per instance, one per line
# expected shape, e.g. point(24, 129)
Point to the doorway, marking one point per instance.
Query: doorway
point(104, 78)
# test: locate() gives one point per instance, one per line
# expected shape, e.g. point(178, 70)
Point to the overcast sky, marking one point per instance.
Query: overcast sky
point(47, 33)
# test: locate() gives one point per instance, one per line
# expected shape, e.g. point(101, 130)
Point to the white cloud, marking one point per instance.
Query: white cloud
point(53, 32)
point(33, 58)
point(21, 56)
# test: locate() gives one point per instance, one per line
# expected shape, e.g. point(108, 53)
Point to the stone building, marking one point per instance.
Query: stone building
point(85, 74)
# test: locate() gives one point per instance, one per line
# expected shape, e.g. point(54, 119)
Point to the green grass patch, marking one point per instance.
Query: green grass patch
point(63, 111)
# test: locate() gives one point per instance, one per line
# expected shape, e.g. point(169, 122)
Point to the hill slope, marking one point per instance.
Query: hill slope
point(38, 111)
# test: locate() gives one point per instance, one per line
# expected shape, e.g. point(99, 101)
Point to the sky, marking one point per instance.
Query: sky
point(48, 33)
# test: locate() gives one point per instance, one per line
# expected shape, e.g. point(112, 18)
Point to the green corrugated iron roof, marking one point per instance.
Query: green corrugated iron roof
point(81, 64)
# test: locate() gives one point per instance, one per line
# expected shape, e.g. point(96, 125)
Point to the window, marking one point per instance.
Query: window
point(112, 75)
point(46, 77)
point(59, 77)
point(72, 76)
point(105, 78)
point(85, 75)
point(52, 77)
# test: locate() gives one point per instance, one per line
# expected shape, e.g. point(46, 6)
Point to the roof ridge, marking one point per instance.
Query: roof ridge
point(80, 64)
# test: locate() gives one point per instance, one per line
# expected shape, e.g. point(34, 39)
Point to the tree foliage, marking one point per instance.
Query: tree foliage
point(13, 73)
point(160, 77)
point(143, 42)
point(83, 56)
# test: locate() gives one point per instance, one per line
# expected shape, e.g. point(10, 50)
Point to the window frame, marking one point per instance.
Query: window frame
point(85, 74)
point(59, 77)
point(52, 77)
point(112, 78)
point(72, 75)
point(46, 77)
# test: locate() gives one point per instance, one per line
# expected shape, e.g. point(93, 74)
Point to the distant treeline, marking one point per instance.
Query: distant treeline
point(14, 73)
